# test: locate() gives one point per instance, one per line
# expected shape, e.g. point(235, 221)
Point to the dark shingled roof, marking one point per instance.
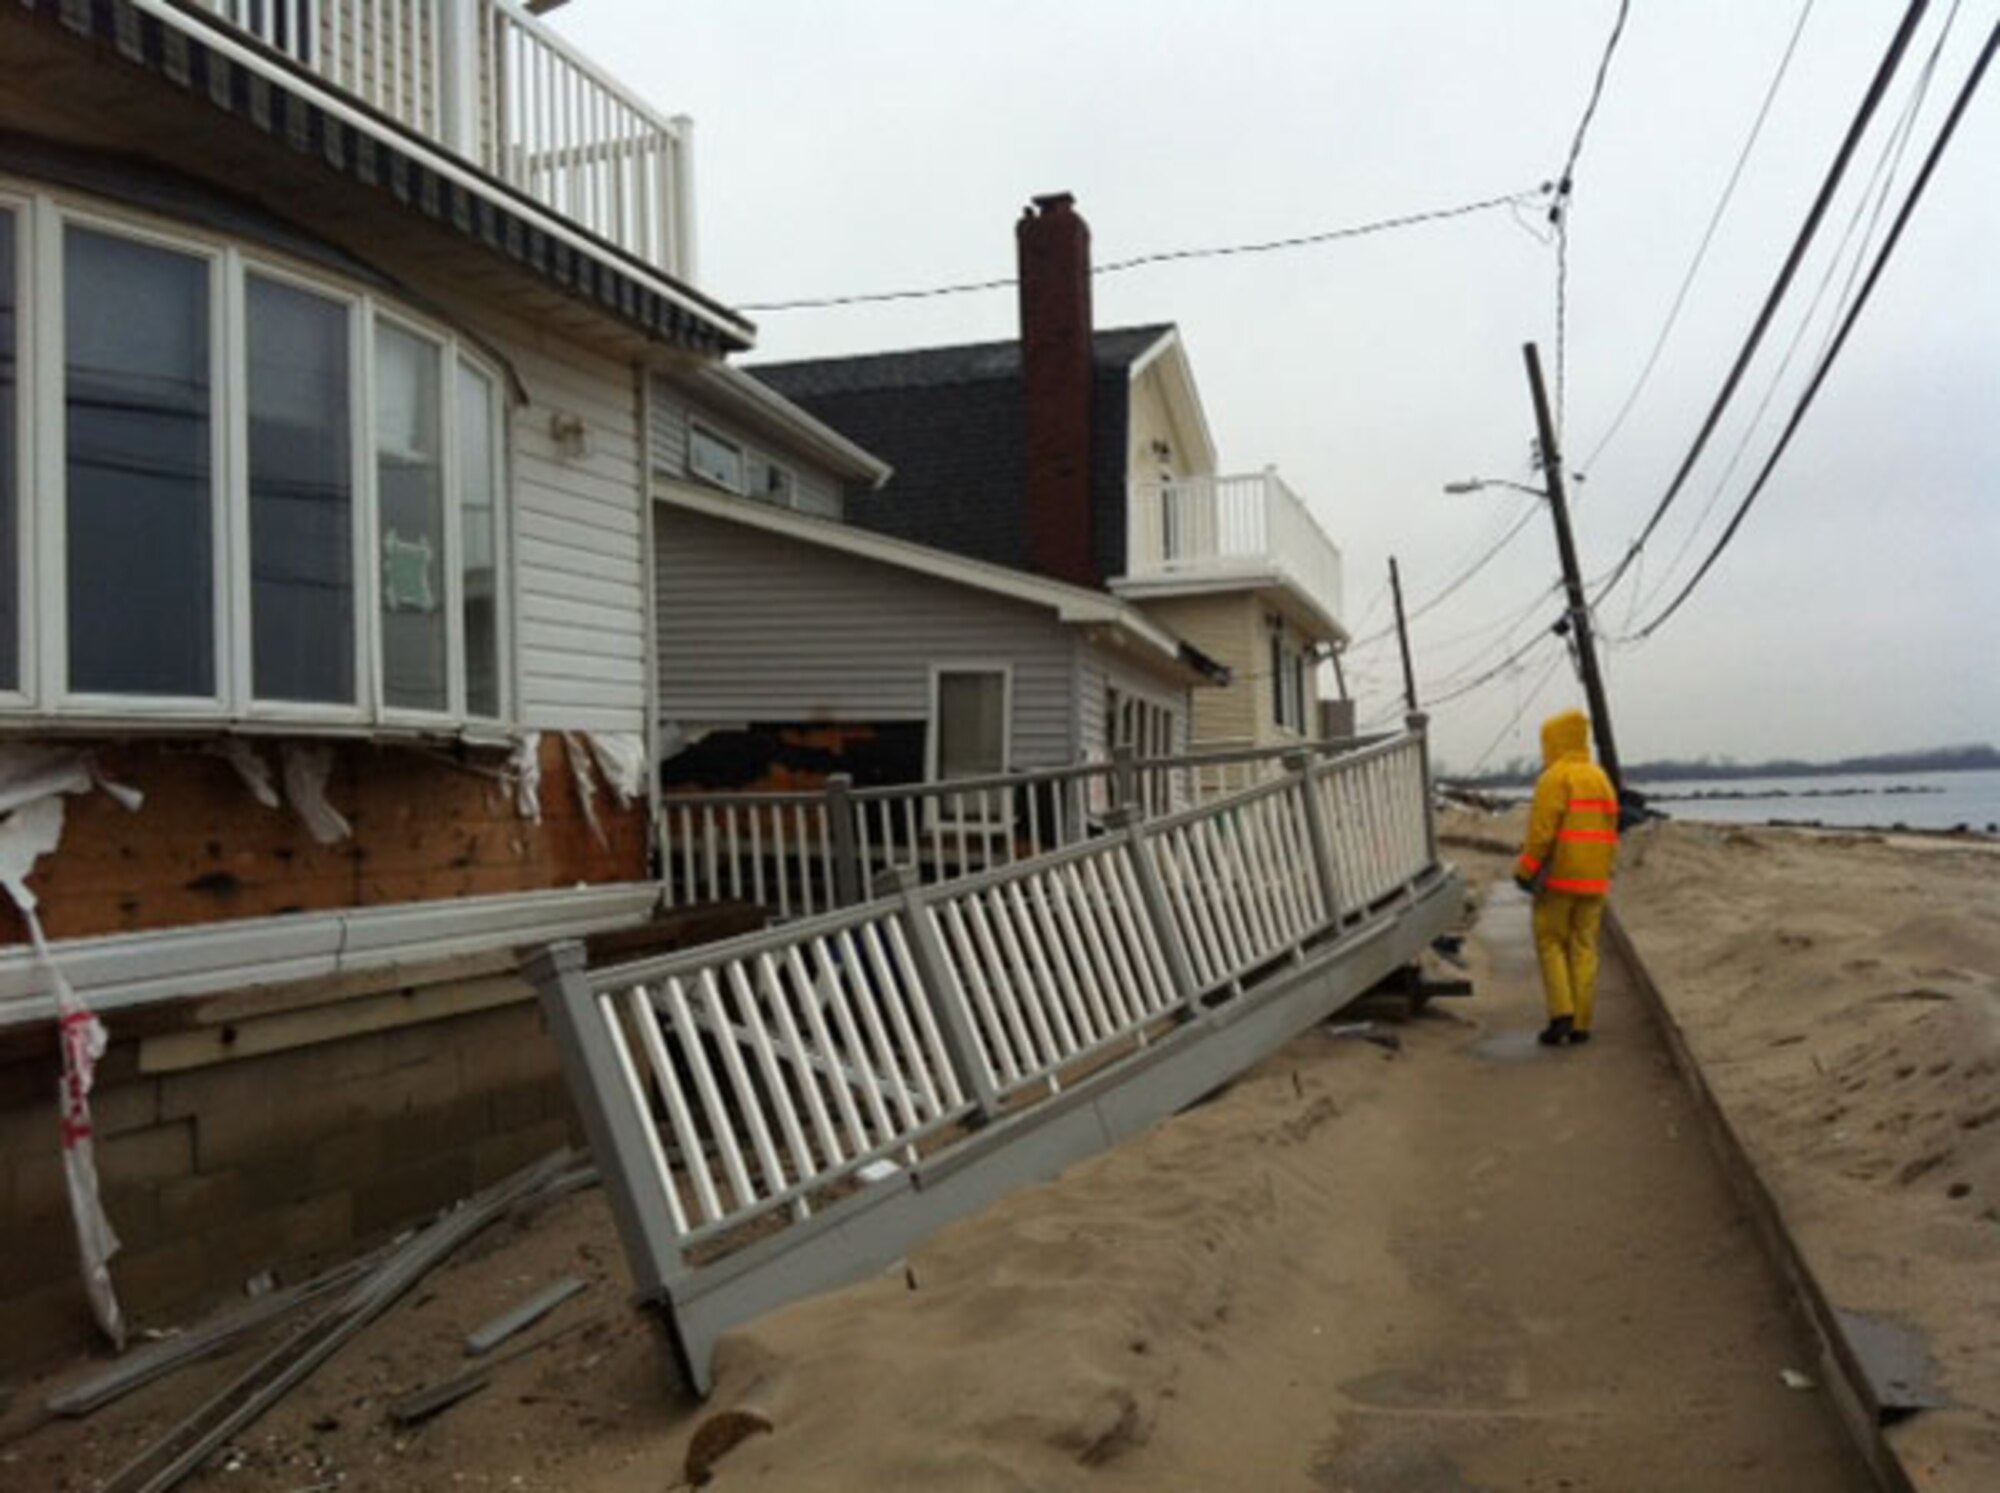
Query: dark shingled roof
point(951, 421)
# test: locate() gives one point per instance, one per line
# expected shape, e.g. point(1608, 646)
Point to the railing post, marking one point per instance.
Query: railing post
point(934, 970)
point(619, 1141)
point(457, 82)
point(1125, 779)
point(1419, 725)
point(840, 811)
point(1319, 832)
point(1124, 822)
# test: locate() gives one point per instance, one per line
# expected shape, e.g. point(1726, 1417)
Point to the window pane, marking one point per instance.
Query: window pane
point(714, 458)
point(410, 484)
point(301, 497)
point(141, 566)
point(10, 468)
point(972, 725)
point(478, 515)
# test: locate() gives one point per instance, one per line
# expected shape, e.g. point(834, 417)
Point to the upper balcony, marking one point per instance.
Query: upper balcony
point(486, 81)
point(1226, 533)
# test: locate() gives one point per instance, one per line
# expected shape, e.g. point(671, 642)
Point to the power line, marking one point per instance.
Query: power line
point(1167, 256)
point(1878, 190)
point(1708, 236)
point(1453, 586)
point(1936, 153)
point(1884, 71)
point(1559, 210)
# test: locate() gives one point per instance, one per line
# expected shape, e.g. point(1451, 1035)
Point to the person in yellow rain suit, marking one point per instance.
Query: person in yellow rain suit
point(1566, 863)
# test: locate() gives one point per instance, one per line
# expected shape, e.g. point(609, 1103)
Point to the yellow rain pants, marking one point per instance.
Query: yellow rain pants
point(1566, 929)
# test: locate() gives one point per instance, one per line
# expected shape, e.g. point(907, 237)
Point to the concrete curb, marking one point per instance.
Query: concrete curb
point(1840, 1364)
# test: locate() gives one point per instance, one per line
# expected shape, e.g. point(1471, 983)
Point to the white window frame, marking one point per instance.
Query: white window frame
point(503, 545)
point(42, 219)
point(933, 728)
point(697, 430)
point(787, 496)
point(26, 328)
point(362, 475)
point(51, 398)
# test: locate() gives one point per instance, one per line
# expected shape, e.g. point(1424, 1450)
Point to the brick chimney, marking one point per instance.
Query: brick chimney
point(1053, 246)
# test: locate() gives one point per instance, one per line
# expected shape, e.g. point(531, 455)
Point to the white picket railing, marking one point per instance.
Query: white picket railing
point(486, 80)
point(799, 853)
point(744, 1087)
point(1229, 527)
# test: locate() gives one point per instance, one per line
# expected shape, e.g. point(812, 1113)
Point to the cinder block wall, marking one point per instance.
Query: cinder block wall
point(276, 1162)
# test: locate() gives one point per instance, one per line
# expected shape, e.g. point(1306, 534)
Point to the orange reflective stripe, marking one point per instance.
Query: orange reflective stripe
point(1599, 836)
point(1531, 863)
point(1595, 805)
point(1585, 888)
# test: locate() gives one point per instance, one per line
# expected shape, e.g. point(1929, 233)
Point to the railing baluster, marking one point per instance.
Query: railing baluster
point(836, 1079)
point(719, 1126)
point(800, 1056)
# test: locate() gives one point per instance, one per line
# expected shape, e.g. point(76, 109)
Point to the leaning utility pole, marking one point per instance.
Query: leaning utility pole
point(1579, 608)
point(1403, 639)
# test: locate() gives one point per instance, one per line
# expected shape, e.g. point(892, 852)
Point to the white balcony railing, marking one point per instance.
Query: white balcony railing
point(1216, 529)
point(487, 81)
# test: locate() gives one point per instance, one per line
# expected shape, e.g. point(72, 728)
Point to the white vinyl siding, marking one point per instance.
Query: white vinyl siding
point(757, 627)
point(671, 443)
point(1100, 671)
point(580, 611)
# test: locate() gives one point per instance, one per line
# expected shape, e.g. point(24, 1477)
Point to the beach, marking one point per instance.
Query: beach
point(1441, 1259)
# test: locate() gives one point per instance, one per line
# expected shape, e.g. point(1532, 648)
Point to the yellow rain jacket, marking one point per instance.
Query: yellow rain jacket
point(1573, 829)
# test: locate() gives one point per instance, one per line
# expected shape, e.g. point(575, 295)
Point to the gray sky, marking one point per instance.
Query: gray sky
point(860, 145)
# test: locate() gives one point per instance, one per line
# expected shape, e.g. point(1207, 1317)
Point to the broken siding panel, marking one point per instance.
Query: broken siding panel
point(756, 627)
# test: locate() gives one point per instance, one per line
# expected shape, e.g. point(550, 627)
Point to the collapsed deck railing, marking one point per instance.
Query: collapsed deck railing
point(803, 853)
point(783, 1112)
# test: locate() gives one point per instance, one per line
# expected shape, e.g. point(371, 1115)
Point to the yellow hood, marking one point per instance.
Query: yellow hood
point(1566, 735)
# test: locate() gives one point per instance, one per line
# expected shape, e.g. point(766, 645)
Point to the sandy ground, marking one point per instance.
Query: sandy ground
point(1842, 993)
point(1465, 1263)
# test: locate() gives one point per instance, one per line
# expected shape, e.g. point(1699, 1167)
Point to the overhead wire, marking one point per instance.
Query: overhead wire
point(1559, 208)
point(1857, 127)
point(1453, 586)
point(1826, 363)
point(1167, 256)
point(1708, 237)
point(1877, 191)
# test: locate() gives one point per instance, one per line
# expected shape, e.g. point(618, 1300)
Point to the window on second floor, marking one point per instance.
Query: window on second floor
point(713, 457)
point(256, 493)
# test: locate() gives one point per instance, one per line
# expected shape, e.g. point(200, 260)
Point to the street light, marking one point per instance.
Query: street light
point(1476, 484)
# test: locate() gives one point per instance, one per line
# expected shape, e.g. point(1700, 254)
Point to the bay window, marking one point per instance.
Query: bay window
point(257, 492)
point(139, 471)
point(409, 478)
point(301, 465)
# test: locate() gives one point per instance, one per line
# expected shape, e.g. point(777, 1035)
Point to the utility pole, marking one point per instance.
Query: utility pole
point(1403, 638)
point(1579, 608)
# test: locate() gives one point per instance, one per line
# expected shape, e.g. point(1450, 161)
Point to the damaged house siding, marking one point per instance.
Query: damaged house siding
point(757, 628)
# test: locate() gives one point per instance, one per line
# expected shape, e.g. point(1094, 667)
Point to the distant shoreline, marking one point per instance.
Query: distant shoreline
point(1899, 764)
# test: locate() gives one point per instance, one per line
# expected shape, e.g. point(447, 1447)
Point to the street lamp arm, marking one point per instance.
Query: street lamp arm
point(1477, 484)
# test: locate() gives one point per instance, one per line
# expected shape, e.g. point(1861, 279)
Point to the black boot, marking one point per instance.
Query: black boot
point(1581, 1034)
point(1557, 1031)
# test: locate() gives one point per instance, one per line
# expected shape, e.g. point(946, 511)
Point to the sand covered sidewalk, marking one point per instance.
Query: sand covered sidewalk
point(1456, 1262)
point(1841, 993)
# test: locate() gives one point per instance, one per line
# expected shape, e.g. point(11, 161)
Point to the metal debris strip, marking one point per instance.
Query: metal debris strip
point(188, 1444)
point(1896, 1370)
point(486, 1338)
point(151, 1362)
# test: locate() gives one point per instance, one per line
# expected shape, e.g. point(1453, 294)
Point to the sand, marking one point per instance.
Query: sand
point(1842, 993)
point(1467, 1263)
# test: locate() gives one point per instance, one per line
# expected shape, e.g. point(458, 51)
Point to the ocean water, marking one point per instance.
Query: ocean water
point(1917, 800)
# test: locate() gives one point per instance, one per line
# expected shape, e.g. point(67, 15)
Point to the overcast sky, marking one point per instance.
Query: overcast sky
point(848, 146)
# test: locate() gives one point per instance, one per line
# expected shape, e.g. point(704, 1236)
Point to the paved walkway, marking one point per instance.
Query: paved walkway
point(1599, 1315)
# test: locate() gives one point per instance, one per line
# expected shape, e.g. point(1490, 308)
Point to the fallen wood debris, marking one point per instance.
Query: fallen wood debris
point(190, 1443)
point(144, 1365)
point(488, 1337)
point(422, 1404)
